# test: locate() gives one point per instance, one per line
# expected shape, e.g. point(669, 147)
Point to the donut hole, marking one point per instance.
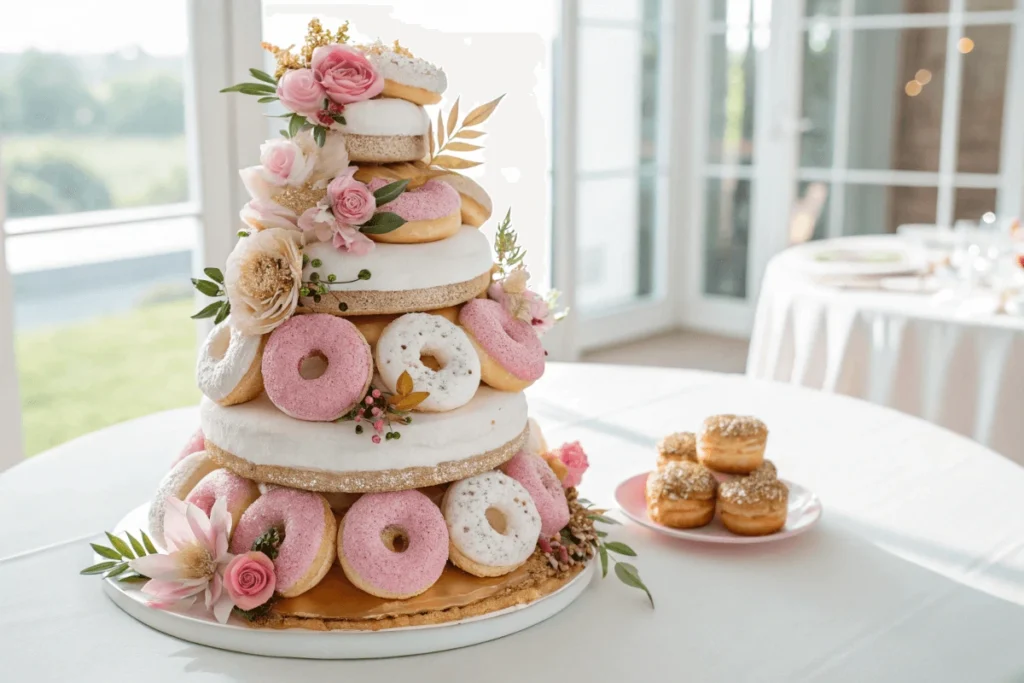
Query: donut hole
point(496, 518)
point(395, 539)
point(431, 361)
point(220, 343)
point(313, 366)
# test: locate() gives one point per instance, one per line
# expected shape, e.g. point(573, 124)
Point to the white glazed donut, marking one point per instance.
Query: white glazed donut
point(482, 542)
point(405, 76)
point(385, 116)
point(405, 341)
point(177, 483)
point(228, 369)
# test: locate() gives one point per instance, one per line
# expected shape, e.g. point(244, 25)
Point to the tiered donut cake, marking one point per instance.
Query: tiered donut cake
point(363, 414)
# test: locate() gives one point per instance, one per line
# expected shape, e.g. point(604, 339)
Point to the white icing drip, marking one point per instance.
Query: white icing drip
point(400, 267)
point(412, 335)
point(260, 433)
point(225, 357)
point(385, 116)
point(465, 511)
point(412, 71)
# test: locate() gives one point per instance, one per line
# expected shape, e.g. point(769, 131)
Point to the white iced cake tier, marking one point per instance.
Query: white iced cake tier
point(258, 441)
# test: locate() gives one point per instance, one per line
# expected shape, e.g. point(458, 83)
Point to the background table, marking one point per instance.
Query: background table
point(915, 572)
point(894, 349)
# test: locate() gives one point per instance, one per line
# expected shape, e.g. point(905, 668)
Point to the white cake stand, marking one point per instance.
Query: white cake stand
point(196, 626)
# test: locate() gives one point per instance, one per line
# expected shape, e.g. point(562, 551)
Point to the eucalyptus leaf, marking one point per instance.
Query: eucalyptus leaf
point(320, 135)
point(214, 274)
point(222, 314)
point(383, 222)
point(119, 569)
point(620, 548)
point(584, 502)
point(133, 578)
point(146, 541)
point(600, 534)
point(295, 125)
point(629, 575)
point(120, 545)
point(136, 546)
point(602, 518)
point(263, 76)
point(206, 287)
point(209, 311)
point(390, 192)
point(338, 118)
point(98, 568)
point(260, 89)
point(604, 560)
point(104, 551)
point(267, 100)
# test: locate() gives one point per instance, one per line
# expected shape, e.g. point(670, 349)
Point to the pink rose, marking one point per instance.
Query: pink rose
point(300, 91)
point(345, 74)
point(575, 460)
point(284, 163)
point(250, 580)
point(351, 201)
point(347, 238)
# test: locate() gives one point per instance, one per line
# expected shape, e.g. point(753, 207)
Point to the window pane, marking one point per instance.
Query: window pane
point(611, 124)
point(971, 203)
point(619, 10)
point(896, 99)
point(879, 209)
point(819, 95)
point(726, 235)
point(821, 7)
point(731, 99)
point(981, 99)
point(900, 6)
point(609, 237)
point(809, 218)
point(92, 115)
point(989, 5)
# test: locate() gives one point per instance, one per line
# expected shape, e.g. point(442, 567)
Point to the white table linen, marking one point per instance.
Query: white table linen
point(915, 572)
point(894, 349)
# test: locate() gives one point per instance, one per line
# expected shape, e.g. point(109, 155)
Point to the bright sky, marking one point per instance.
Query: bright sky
point(84, 26)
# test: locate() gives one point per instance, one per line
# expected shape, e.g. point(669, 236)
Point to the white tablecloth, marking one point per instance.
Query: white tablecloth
point(894, 349)
point(915, 572)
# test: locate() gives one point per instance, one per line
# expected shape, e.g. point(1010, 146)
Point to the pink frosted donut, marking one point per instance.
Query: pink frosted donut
point(305, 521)
point(316, 367)
point(238, 492)
point(543, 486)
point(433, 211)
point(196, 443)
point(511, 355)
point(393, 545)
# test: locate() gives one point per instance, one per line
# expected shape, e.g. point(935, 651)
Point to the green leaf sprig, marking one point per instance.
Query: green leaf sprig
point(318, 285)
point(214, 288)
point(117, 556)
point(508, 254)
point(265, 89)
point(626, 572)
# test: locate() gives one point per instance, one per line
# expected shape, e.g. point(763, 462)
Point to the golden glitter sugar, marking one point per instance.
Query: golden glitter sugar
point(965, 45)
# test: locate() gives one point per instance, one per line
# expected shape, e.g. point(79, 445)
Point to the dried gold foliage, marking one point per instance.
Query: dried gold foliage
point(404, 397)
point(446, 136)
point(404, 385)
point(469, 134)
point(462, 147)
point(284, 57)
point(481, 113)
point(446, 161)
point(453, 117)
point(316, 36)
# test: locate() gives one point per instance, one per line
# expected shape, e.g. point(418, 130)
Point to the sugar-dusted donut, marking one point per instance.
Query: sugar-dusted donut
point(177, 483)
point(511, 355)
point(316, 367)
point(307, 525)
point(238, 492)
point(385, 130)
point(548, 495)
point(406, 77)
point(195, 443)
point(371, 326)
point(228, 367)
point(404, 343)
point(432, 212)
point(493, 525)
point(476, 203)
point(393, 545)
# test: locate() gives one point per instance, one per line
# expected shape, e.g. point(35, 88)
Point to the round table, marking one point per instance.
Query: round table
point(915, 572)
point(894, 349)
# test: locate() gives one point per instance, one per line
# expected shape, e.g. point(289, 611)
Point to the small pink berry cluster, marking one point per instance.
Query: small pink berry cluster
point(376, 411)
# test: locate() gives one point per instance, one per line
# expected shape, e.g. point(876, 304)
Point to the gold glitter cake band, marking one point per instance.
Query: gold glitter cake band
point(385, 149)
point(368, 482)
point(376, 302)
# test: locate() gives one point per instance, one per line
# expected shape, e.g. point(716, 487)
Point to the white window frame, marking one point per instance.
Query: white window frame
point(11, 445)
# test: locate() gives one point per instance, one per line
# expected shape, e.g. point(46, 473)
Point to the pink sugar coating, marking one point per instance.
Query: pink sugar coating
point(543, 486)
point(433, 199)
point(512, 343)
point(221, 484)
point(334, 393)
point(300, 515)
point(195, 443)
point(404, 573)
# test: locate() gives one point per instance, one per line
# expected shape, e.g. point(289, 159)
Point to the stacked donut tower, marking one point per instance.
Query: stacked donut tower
point(363, 409)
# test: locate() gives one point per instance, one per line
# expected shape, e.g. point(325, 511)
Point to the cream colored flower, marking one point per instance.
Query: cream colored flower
point(263, 278)
point(515, 282)
point(328, 161)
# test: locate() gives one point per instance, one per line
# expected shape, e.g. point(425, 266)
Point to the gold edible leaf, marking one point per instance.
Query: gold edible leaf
point(411, 401)
point(404, 386)
point(462, 147)
point(446, 161)
point(453, 117)
point(440, 130)
point(430, 138)
point(469, 134)
point(481, 113)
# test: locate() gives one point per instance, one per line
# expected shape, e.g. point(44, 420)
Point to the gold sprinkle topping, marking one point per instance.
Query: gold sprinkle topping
point(740, 426)
point(754, 489)
point(298, 199)
point(679, 446)
point(316, 36)
point(681, 480)
point(265, 276)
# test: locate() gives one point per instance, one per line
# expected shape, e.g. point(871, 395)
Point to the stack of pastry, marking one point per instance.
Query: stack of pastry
point(723, 468)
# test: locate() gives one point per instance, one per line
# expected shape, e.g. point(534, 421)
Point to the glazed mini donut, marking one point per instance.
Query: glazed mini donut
point(544, 488)
point(177, 483)
point(371, 326)
point(228, 369)
point(753, 506)
point(511, 355)
point(385, 130)
point(766, 470)
point(493, 525)
point(733, 444)
point(393, 545)
point(238, 492)
point(306, 345)
point(406, 77)
point(404, 343)
point(677, 447)
point(476, 203)
point(309, 530)
point(196, 443)
point(535, 442)
point(681, 495)
point(431, 212)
